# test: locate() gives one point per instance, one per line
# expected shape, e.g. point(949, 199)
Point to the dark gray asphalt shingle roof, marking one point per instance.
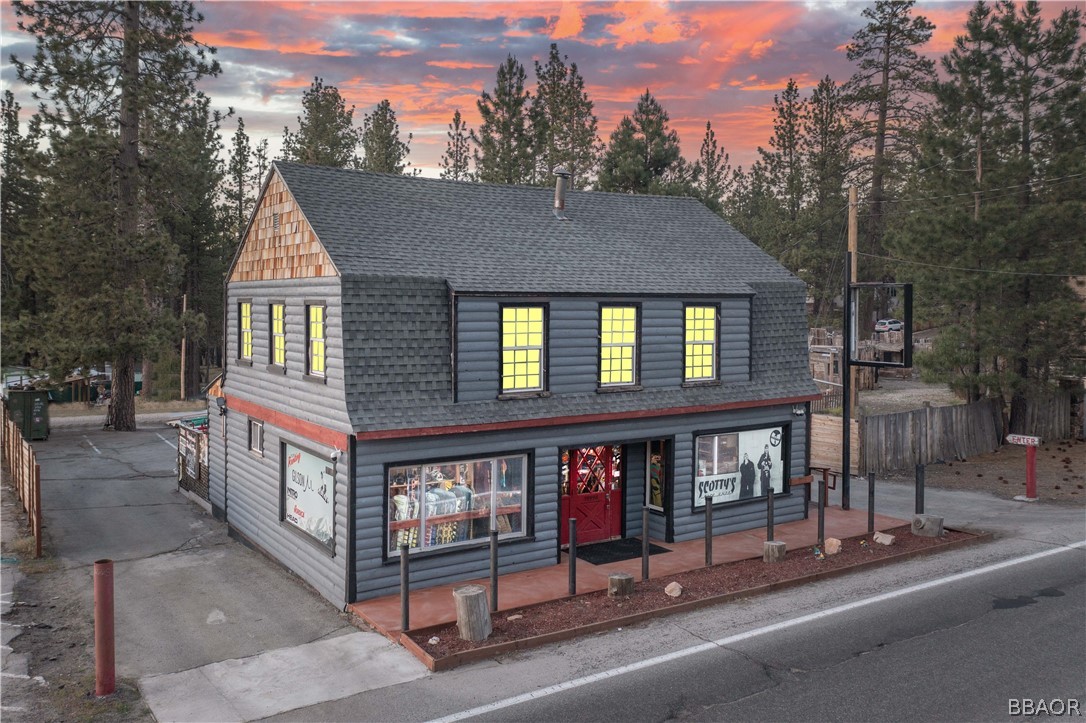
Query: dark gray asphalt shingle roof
point(505, 239)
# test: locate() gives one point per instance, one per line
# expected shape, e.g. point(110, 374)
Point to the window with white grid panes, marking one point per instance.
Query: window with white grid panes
point(277, 314)
point(245, 330)
point(700, 343)
point(315, 339)
point(618, 345)
point(522, 349)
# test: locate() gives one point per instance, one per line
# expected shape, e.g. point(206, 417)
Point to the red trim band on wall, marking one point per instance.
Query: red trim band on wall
point(578, 419)
point(309, 430)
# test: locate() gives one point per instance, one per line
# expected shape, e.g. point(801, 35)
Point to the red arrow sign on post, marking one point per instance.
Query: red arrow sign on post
point(1030, 443)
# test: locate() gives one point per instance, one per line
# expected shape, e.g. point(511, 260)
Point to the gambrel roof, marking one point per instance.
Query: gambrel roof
point(496, 239)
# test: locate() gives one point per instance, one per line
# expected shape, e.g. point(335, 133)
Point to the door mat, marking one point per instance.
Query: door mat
point(603, 553)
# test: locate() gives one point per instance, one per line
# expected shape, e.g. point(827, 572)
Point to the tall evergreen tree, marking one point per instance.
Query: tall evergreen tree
point(1001, 196)
point(102, 68)
point(383, 150)
point(642, 153)
point(503, 142)
point(563, 122)
point(20, 194)
point(238, 181)
point(712, 171)
point(783, 161)
point(326, 135)
point(885, 94)
point(456, 161)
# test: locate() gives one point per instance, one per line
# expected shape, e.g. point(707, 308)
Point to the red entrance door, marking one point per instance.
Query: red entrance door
point(592, 493)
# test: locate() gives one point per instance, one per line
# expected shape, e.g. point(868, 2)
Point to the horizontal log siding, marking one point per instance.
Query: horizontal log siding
point(573, 344)
point(377, 575)
point(253, 510)
point(216, 459)
point(251, 482)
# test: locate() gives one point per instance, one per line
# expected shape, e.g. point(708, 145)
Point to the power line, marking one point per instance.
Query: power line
point(974, 271)
point(971, 194)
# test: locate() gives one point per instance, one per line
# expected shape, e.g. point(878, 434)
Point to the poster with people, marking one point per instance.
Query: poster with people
point(737, 466)
point(308, 489)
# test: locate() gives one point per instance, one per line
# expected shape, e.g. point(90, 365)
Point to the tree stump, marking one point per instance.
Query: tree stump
point(773, 551)
point(620, 584)
point(927, 526)
point(472, 612)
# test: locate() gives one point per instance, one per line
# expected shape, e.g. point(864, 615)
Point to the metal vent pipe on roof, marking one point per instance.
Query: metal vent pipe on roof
point(562, 182)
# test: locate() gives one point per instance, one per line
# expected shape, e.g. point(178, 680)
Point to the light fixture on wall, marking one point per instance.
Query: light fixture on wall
point(220, 402)
point(335, 455)
point(799, 410)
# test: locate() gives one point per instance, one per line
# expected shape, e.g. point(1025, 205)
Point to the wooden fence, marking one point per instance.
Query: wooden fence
point(1045, 415)
point(895, 442)
point(826, 439)
point(23, 470)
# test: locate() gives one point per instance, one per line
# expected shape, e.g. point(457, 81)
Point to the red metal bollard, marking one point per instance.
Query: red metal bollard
point(105, 676)
point(1031, 472)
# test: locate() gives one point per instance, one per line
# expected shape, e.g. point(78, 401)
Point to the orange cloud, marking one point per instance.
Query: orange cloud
point(449, 45)
point(252, 40)
point(395, 53)
point(646, 23)
point(687, 60)
point(390, 34)
point(647, 66)
point(457, 64)
point(759, 48)
point(570, 23)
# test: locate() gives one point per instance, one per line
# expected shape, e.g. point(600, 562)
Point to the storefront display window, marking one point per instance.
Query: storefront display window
point(739, 465)
point(309, 484)
point(455, 503)
point(656, 491)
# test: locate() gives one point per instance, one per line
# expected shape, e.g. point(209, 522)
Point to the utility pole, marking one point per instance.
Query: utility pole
point(853, 236)
point(847, 378)
point(184, 343)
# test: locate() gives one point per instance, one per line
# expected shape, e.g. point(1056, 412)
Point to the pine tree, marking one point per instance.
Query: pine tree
point(326, 135)
point(103, 68)
point(564, 126)
point(20, 195)
point(503, 143)
point(712, 171)
point(383, 150)
point(456, 161)
point(238, 181)
point(885, 94)
point(643, 152)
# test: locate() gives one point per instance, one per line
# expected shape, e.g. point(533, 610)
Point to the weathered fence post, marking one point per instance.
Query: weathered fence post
point(572, 555)
point(870, 502)
point(644, 543)
point(919, 489)
point(493, 569)
point(822, 509)
point(472, 616)
point(769, 516)
point(105, 678)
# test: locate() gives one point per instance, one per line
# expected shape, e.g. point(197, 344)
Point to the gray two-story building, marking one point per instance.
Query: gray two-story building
point(412, 363)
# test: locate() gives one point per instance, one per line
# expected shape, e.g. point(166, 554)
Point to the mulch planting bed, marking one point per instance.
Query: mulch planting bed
point(562, 619)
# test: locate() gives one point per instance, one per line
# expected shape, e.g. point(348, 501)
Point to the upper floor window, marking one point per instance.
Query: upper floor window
point(522, 348)
point(315, 339)
point(618, 345)
point(278, 334)
point(700, 343)
point(245, 330)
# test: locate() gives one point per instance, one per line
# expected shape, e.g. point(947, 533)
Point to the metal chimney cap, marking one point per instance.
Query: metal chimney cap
point(561, 172)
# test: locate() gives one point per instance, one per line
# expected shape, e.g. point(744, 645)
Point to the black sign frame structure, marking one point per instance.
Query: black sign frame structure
point(907, 329)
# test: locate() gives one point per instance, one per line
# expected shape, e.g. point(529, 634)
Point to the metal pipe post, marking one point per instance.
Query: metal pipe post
point(644, 543)
point(919, 489)
point(708, 531)
point(105, 675)
point(769, 516)
point(493, 570)
point(870, 503)
point(572, 555)
point(846, 387)
point(822, 510)
point(405, 588)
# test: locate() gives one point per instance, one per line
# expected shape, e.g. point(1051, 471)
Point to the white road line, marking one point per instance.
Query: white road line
point(92, 444)
point(166, 441)
point(739, 637)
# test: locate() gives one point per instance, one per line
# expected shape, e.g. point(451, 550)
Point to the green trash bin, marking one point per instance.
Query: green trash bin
point(30, 411)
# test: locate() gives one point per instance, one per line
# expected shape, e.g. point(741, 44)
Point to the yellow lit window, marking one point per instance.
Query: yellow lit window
point(522, 348)
point(245, 330)
point(700, 343)
point(278, 335)
point(618, 344)
point(316, 340)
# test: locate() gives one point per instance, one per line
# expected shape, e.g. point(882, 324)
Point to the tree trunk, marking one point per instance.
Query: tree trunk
point(472, 612)
point(122, 404)
point(148, 371)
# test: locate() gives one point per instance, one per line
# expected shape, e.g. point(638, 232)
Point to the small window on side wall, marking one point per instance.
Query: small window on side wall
point(256, 436)
point(277, 314)
point(245, 330)
point(315, 339)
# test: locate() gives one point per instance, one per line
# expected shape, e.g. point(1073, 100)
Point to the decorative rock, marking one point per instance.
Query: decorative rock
point(472, 612)
point(511, 618)
point(434, 640)
point(674, 589)
point(927, 526)
point(620, 584)
point(884, 539)
point(833, 545)
point(773, 551)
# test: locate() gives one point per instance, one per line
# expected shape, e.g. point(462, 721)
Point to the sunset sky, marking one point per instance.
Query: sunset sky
point(716, 61)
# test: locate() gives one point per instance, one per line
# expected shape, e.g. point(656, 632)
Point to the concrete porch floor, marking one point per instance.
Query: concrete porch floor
point(434, 605)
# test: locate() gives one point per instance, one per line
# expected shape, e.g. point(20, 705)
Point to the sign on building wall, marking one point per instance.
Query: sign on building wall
point(308, 490)
point(739, 465)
